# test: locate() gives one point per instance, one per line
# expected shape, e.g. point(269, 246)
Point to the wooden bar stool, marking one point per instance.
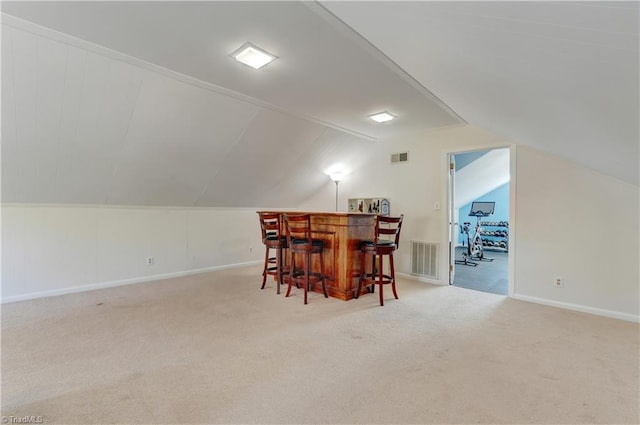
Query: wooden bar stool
point(300, 242)
point(272, 238)
point(386, 240)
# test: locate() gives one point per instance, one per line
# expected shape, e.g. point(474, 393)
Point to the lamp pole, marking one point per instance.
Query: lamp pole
point(336, 177)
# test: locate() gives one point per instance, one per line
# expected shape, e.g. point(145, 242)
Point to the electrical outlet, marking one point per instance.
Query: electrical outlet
point(149, 261)
point(559, 282)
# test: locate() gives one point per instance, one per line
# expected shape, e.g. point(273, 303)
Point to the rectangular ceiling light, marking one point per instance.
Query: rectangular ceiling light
point(253, 56)
point(382, 117)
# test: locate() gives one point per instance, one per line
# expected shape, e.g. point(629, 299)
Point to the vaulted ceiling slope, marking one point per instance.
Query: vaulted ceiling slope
point(559, 76)
point(141, 103)
point(79, 127)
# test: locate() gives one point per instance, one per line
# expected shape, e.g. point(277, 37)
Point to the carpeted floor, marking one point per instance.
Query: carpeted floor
point(486, 276)
point(214, 348)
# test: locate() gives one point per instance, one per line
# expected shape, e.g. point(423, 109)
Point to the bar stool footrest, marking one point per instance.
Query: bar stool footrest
point(368, 279)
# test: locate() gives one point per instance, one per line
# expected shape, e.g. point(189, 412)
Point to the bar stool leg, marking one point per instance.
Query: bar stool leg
point(293, 266)
point(393, 276)
point(380, 277)
point(362, 272)
point(307, 267)
point(324, 287)
point(266, 263)
point(279, 268)
point(372, 288)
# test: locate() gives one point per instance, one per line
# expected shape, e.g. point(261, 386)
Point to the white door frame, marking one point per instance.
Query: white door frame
point(446, 191)
point(451, 214)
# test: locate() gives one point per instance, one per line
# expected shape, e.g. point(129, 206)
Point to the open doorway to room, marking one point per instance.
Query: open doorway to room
point(479, 220)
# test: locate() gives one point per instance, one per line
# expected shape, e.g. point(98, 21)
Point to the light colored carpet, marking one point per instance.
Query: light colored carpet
point(214, 348)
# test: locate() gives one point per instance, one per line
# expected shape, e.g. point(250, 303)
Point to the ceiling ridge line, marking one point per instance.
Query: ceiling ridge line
point(541, 36)
point(61, 37)
point(118, 206)
point(605, 5)
point(358, 38)
point(226, 155)
point(296, 160)
point(535, 22)
point(124, 139)
point(10, 35)
point(59, 142)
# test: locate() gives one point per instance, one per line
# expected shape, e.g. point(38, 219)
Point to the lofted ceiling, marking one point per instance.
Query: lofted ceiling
point(140, 103)
point(559, 76)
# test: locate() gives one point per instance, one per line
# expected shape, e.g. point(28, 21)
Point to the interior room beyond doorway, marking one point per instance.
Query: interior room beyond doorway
point(481, 211)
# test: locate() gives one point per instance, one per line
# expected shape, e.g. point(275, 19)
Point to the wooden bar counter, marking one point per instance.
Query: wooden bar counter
point(341, 233)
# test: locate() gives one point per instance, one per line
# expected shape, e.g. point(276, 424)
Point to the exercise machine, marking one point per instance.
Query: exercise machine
point(474, 250)
point(466, 256)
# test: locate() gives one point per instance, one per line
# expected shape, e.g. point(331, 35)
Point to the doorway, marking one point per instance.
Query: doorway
point(479, 221)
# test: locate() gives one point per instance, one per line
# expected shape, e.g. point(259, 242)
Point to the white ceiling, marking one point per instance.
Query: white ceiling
point(559, 76)
point(323, 71)
point(140, 103)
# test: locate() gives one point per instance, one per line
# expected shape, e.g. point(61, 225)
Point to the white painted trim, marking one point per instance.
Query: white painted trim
point(70, 40)
point(112, 284)
point(139, 207)
point(348, 31)
point(513, 218)
point(422, 279)
point(444, 193)
point(444, 214)
point(581, 308)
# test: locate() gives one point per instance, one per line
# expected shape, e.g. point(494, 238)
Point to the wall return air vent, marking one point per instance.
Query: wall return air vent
point(399, 157)
point(424, 259)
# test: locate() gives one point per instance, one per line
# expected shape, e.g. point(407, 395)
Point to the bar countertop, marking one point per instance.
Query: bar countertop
point(342, 233)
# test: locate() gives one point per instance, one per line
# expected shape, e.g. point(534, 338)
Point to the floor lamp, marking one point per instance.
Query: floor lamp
point(336, 177)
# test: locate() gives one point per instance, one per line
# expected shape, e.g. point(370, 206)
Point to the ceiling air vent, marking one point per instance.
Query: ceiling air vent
point(399, 157)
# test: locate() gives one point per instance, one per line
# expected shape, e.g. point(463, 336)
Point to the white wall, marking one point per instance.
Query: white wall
point(50, 250)
point(570, 221)
point(578, 224)
point(481, 176)
point(413, 188)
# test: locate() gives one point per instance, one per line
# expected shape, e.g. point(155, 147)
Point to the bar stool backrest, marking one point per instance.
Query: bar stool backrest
point(388, 229)
point(298, 226)
point(270, 225)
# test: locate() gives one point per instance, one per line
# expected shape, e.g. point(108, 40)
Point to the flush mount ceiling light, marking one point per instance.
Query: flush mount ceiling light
point(253, 56)
point(382, 117)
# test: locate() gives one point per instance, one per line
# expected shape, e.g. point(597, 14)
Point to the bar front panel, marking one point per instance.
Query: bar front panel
point(341, 233)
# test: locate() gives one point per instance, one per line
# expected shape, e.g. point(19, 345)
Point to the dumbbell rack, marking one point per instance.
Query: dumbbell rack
point(495, 235)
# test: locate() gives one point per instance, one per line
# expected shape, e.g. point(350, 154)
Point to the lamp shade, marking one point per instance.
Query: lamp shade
point(336, 177)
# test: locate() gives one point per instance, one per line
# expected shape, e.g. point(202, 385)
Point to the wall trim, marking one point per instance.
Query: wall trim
point(122, 282)
point(138, 207)
point(577, 307)
point(89, 46)
point(422, 279)
point(445, 194)
point(559, 304)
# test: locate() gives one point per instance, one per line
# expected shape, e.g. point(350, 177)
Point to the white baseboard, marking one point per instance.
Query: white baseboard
point(568, 306)
point(577, 307)
point(421, 279)
point(114, 283)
